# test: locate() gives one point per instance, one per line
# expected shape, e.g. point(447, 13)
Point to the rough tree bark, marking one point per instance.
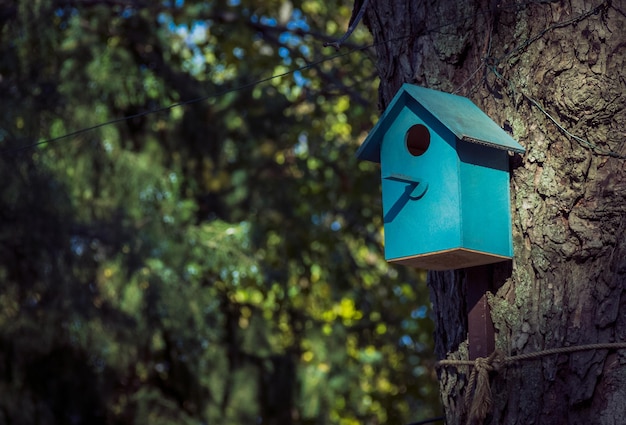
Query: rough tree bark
point(528, 64)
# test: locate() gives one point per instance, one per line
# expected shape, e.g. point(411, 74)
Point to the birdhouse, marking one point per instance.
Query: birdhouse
point(445, 181)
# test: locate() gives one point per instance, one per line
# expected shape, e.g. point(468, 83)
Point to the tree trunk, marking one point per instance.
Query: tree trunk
point(551, 73)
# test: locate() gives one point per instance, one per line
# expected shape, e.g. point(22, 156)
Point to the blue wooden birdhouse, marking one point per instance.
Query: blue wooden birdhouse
point(445, 181)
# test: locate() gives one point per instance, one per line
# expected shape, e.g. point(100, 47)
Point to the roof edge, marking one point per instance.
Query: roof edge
point(489, 144)
point(370, 148)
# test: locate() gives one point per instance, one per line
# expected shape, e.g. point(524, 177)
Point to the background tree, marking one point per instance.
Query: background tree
point(551, 73)
point(213, 254)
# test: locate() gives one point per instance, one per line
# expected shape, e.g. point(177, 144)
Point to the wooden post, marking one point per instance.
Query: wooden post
point(479, 325)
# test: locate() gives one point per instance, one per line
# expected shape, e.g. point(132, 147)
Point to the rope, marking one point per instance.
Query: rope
point(481, 402)
point(478, 397)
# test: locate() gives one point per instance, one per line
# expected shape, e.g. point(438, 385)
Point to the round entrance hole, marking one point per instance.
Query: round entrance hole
point(417, 139)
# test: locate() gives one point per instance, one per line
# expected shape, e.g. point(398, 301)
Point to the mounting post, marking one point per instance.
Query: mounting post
point(480, 330)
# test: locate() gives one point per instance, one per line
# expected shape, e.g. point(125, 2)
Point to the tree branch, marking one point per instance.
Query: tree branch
point(354, 22)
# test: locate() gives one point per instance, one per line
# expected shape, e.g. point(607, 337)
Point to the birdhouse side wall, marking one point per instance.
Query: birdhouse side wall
point(485, 199)
point(432, 222)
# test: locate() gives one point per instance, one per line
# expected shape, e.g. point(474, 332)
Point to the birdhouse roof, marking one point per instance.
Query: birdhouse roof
point(459, 114)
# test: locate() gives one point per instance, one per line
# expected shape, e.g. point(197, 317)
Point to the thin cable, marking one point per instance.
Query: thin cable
point(183, 103)
point(429, 421)
point(561, 24)
point(583, 142)
point(458, 89)
point(224, 92)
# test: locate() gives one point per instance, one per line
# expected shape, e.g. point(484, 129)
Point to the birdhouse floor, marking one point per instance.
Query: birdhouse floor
point(449, 259)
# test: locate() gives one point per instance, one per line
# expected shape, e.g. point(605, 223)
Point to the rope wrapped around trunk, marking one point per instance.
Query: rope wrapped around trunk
point(478, 398)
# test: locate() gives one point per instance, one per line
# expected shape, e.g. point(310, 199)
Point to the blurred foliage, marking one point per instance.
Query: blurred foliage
point(217, 262)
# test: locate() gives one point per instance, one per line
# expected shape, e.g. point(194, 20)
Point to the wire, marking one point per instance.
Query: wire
point(561, 24)
point(583, 142)
point(227, 91)
point(183, 103)
point(429, 421)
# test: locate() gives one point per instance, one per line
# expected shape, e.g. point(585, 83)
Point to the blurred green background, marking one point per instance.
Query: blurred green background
point(216, 262)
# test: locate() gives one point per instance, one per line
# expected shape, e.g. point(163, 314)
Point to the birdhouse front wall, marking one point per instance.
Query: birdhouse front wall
point(421, 192)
